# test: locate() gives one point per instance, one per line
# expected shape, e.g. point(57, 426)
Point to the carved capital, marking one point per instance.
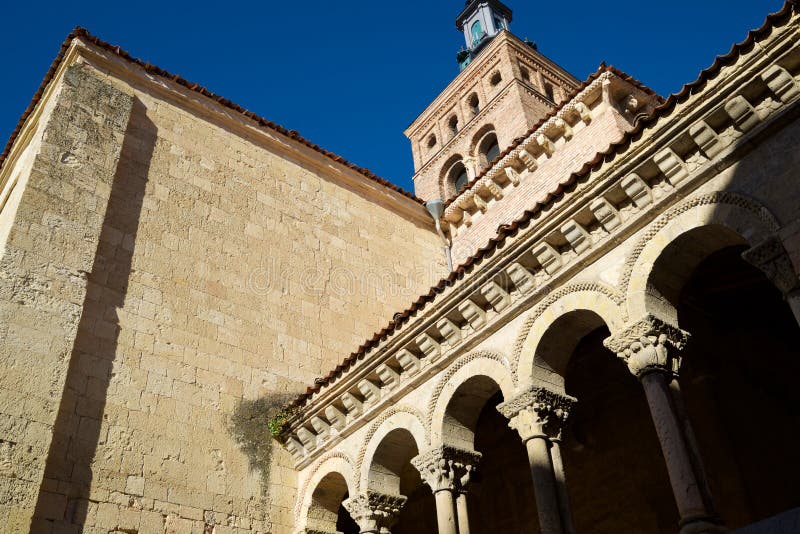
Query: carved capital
point(375, 512)
point(649, 345)
point(538, 412)
point(771, 257)
point(447, 468)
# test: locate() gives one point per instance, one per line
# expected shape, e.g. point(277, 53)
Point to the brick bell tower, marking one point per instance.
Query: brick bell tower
point(505, 87)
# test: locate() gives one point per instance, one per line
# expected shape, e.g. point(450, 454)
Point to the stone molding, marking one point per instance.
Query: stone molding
point(771, 258)
point(447, 468)
point(538, 412)
point(649, 345)
point(373, 511)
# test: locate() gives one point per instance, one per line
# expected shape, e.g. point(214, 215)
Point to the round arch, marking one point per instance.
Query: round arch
point(485, 145)
point(391, 441)
point(683, 237)
point(453, 172)
point(463, 390)
point(321, 496)
point(541, 353)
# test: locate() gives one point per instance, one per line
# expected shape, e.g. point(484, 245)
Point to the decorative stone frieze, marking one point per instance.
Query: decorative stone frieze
point(771, 258)
point(447, 467)
point(742, 113)
point(538, 412)
point(375, 512)
point(649, 345)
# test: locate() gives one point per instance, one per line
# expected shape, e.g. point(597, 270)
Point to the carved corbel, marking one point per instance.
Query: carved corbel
point(321, 427)
point(496, 295)
point(408, 361)
point(671, 166)
point(450, 331)
point(538, 412)
point(706, 138)
point(388, 375)
point(429, 346)
point(637, 190)
point(512, 175)
point(522, 278)
point(337, 418)
point(528, 159)
point(370, 391)
point(649, 345)
point(742, 113)
point(494, 190)
point(474, 314)
point(564, 128)
point(605, 213)
point(547, 145)
point(584, 112)
point(352, 404)
point(547, 256)
point(780, 82)
point(577, 236)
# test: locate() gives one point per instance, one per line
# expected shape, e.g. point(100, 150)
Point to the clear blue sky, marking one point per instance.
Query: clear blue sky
point(351, 75)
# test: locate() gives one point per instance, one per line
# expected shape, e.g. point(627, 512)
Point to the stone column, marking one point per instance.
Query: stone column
point(771, 258)
point(539, 415)
point(651, 349)
point(375, 512)
point(448, 471)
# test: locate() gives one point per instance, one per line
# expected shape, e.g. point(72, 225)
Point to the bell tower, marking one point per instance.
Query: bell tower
point(480, 21)
point(504, 87)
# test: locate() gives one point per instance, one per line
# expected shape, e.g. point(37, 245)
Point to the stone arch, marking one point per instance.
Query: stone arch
point(408, 419)
point(485, 136)
point(579, 308)
point(474, 378)
point(700, 226)
point(447, 175)
point(320, 496)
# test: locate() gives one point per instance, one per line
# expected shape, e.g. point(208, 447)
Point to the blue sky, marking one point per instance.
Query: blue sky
point(351, 75)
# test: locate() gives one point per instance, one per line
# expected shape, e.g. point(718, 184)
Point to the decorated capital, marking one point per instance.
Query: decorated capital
point(538, 412)
point(375, 512)
point(649, 345)
point(447, 468)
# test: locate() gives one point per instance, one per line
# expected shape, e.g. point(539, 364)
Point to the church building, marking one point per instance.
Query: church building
point(211, 325)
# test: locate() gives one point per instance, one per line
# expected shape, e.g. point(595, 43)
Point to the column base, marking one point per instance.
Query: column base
point(701, 525)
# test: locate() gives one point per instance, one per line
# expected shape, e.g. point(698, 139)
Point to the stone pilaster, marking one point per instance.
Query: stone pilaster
point(771, 258)
point(375, 512)
point(539, 416)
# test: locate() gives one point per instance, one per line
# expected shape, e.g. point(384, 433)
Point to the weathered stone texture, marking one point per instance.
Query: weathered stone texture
point(227, 269)
point(45, 260)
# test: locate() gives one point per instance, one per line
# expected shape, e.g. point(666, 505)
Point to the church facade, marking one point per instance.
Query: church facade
point(206, 324)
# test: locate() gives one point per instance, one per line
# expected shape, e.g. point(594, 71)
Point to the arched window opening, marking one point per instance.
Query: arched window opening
point(474, 104)
point(496, 79)
point(548, 90)
point(458, 176)
point(431, 141)
point(477, 32)
point(525, 74)
point(488, 149)
point(453, 125)
point(499, 24)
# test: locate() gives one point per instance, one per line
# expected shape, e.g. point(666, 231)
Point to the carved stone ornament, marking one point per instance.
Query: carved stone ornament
point(375, 512)
point(649, 345)
point(538, 412)
point(447, 467)
point(771, 257)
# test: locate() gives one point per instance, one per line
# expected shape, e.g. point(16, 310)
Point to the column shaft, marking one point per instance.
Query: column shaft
point(685, 487)
point(463, 516)
point(561, 486)
point(544, 485)
point(445, 512)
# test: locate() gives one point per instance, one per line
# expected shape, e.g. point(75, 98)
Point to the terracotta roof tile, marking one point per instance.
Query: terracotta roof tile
point(81, 33)
point(510, 230)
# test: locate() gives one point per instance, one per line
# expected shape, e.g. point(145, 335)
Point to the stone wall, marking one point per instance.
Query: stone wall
point(229, 271)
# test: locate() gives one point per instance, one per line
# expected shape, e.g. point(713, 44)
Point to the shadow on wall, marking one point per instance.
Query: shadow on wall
point(77, 430)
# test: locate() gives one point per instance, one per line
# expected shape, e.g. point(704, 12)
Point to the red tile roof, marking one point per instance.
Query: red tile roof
point(81, 33)
point(663, 110)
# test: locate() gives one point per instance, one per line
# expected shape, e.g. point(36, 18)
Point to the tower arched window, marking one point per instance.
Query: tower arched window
point(477, 32)
point(457, 176)
point(488, 149)
point(474, 104)
point(452, 124)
